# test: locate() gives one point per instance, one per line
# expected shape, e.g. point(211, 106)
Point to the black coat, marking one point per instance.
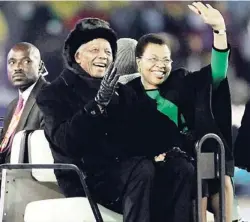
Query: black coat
point(96, 143)
point(242, 142)
point(76, 137)
point(205, 110)
point(31, 118)
point(72, 133)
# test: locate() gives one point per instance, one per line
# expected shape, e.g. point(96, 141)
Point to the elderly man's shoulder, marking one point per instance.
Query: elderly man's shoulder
point(54, 85)
point(56, 88)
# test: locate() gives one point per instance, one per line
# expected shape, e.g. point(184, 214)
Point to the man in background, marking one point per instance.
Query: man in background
point(25, 72)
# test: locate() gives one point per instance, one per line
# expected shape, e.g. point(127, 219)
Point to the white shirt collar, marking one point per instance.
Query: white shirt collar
point(26, 93)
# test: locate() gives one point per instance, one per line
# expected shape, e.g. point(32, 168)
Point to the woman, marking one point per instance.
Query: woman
point(184, 97)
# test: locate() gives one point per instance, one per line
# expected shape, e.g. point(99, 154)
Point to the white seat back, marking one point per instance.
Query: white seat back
point(18, 148)
point(18, 186)
point(40, 153)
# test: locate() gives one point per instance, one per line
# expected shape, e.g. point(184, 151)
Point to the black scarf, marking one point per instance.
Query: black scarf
point(93, 82)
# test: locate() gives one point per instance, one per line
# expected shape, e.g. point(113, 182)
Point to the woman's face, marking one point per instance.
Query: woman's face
point(154, 65)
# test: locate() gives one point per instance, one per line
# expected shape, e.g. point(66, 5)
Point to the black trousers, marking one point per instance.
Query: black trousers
point(143, 191)
point(172, 193)
point(126, 188)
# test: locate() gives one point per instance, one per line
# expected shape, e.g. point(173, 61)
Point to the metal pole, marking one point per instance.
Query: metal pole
point(221, 152)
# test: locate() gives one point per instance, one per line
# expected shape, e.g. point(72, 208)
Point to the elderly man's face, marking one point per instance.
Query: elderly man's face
point(94, 57)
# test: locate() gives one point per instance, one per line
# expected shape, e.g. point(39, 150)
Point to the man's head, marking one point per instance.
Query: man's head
point(125, 57)
point(92, 45)
point(153, 58)
point(23, 63)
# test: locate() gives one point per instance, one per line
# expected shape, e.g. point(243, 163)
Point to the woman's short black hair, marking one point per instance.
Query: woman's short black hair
point(149, 38)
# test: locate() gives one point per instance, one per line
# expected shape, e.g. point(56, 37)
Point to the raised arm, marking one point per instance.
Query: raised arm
point(220, 51)
point(70, 128)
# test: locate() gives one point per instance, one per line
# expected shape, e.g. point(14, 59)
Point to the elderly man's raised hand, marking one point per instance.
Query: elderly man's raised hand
point(107, 87)
point(209, 15)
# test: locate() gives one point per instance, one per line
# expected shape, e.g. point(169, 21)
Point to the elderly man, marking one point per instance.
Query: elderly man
point(25, 72)
point(84, 123)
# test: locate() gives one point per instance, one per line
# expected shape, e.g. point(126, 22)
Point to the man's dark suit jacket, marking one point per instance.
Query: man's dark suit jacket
point(31, 118)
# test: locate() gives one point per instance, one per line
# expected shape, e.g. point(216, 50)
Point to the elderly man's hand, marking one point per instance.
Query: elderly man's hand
point(209, 15)
point(107, 87)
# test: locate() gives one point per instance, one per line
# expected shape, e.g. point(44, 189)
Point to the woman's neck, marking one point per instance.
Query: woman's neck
point(148, 86)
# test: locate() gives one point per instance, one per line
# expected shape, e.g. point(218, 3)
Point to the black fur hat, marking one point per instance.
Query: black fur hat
point(86, 30)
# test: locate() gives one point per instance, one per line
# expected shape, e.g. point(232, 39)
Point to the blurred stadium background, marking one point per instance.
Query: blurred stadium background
point(46, 24)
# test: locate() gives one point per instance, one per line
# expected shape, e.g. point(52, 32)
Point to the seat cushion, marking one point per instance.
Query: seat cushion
point(75, 209)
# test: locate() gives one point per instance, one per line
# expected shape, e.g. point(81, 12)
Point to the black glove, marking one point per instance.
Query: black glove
point(107, 87)
point(176, 152)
